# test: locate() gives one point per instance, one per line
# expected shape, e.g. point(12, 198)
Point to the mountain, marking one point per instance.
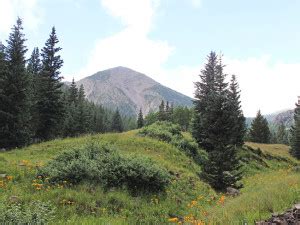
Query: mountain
point(129, 90)
point(284, 116)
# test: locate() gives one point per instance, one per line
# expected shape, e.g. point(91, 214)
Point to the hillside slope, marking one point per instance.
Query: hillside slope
point(129, 91)
point(270, 185)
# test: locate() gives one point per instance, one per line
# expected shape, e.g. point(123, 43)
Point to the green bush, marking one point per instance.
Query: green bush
point(169, 132)
point(36, 212)
point(103, 165)
point(163, 131)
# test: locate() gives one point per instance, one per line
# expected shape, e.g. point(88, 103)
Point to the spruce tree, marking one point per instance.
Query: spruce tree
point(212, 126)
point(238, 128)
point(50, 105)
point(83, 114)
point(259, 131)
point(140, 120)
point(161, 111)
point(281, 134)
point(117, 124)
point(33, 70)
point(295, 133)
point(73, 93)
point(15, 107)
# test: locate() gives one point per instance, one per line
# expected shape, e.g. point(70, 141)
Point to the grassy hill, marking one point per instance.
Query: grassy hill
point(271, 185)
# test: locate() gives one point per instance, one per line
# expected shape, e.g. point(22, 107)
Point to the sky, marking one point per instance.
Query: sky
point(169, 40)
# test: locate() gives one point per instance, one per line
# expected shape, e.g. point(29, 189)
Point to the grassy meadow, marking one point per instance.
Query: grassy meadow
point(271, 184)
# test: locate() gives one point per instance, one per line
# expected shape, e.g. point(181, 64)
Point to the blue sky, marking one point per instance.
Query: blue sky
point(169, 40)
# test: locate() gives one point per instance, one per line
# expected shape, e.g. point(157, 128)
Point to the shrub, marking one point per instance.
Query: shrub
point(168, 132)
point(103, 165)
point(163, 131)
point(36, 212)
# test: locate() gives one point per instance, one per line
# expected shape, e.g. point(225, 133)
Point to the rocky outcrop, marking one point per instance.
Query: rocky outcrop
point(290, 217)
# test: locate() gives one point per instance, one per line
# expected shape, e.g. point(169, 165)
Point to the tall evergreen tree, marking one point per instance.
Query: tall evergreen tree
point(83, 114)
point(238, 128)
point(281, 134)
point(15, 130)
point(33, 70)
point(73, 93)
point(117, 124)
point(212, 126)
point(50, 104)
point(161, 111)
point(140, 120)
point(295, 133)
point(259, 131)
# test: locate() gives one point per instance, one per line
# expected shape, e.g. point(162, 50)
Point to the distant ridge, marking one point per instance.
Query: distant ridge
point(129, 90)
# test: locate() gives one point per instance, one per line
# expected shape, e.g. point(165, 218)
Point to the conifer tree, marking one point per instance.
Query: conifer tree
point(50, 104)
point(281, 134)
point(295, 133)
point(33, 70)
point(73, 93)
point(212, 123)
point(161, 111)
point(83, 114)
point(259, 131)
point(140, 121)
point(117, 124)
point(15, 130)
point(238, 128)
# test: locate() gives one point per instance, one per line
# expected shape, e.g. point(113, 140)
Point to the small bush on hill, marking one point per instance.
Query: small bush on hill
point(103, 165)
point(169, 132)
point(36, 212)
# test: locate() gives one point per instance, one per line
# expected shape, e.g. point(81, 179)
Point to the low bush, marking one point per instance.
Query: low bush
point(105, 166)
point(169, 132)
point(36, 212)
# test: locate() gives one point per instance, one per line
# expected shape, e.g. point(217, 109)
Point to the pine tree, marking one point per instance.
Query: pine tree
point(212, 123)
point(33, 70)
point(295, 134)
point(259, 131)
point(140, 120)
point(73, 93)
point(238, 128)
point(15, 130)
point(117, 124)
point(83, 114)
point(281, 134)
point(50, 104)
point(161, 111)
point(34, 63)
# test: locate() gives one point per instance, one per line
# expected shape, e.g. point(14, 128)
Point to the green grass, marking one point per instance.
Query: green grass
point(270, 185)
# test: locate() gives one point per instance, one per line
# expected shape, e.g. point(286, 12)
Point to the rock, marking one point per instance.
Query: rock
point(232, 191)
point(3, 175)
point(14, 199)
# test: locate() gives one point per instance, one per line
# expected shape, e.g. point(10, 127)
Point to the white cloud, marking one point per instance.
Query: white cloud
point(28, 10)
point(131, 47)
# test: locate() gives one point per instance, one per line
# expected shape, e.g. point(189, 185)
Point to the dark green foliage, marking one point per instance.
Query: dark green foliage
point(238, 126)
point(171, 133)
point(50, 105)
point(73, 93)
point(216, 110)
point(295, 134)
point(161, 111)
point(116, 123)
point(103, 165)
point(182, 116)
point(140, 120)
point(36, 212)
point(14, 97)
point(259, 131)
point(282, 134)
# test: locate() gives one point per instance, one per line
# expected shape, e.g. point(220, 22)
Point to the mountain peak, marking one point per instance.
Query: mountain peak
point(129, 90)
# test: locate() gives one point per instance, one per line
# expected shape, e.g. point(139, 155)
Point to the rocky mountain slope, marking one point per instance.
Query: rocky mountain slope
point(129, 90)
